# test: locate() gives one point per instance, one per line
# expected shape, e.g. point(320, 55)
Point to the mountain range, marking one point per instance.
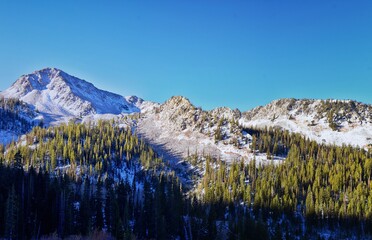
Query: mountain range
point(178, 127)
point(176, 171)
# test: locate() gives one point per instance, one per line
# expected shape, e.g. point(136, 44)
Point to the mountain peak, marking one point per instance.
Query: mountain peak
point(48, 75)
point(56, 93)
point(48, 70)
point(178, 102)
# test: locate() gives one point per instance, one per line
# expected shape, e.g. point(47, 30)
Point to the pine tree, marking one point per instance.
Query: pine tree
point(12, 214)
point(98, 207)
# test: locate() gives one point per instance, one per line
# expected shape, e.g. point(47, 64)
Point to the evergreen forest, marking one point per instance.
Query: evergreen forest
point(103, 181)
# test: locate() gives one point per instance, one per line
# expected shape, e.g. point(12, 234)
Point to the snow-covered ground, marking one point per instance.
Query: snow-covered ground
point(355, 133)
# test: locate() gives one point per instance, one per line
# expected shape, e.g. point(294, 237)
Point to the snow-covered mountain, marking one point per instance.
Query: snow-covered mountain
point(180, 128)
point(58, 95)
point(183, 129)
point(326, 121)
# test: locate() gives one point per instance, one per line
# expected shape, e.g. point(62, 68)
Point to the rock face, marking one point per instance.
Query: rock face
point(57, 94)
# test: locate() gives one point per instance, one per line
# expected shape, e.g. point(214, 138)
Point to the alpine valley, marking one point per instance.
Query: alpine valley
point(80, 162)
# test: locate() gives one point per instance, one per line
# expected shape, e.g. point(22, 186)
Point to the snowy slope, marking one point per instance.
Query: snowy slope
point(312, 118)
point(16, 118)
point(181, 128)
point(58, 95)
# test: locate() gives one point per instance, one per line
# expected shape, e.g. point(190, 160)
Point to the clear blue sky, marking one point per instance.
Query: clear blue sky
point(217, 53)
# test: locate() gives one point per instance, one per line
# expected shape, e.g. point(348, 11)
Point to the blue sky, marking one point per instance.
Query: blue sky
point(238, 54)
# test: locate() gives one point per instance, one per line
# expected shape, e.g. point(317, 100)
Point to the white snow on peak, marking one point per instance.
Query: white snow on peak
point(57, 94)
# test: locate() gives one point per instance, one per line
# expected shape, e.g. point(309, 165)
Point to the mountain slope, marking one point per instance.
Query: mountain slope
point(182, 129)
point(16, 118)
point(326, 121)
point(56, 94)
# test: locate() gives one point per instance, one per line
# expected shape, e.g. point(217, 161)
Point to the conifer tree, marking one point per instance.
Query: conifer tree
point(12, 215)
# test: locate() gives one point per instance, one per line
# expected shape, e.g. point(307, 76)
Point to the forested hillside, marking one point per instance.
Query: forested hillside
point(78, 179)
point(316, 187)
point(16, 118)
point(74, 179)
